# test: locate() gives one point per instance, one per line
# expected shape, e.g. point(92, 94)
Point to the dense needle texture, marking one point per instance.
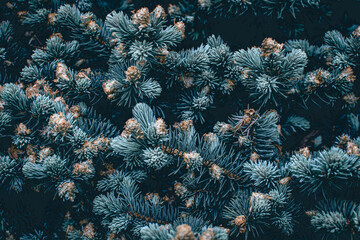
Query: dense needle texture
point(179, 120)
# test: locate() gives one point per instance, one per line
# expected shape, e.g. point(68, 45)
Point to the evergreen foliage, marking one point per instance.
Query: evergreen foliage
point(136, 120)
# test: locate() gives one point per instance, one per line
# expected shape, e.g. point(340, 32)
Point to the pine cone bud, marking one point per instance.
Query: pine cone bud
point(350, 99)
point(89, 231)
point(356, 32)
point(83, 168)
point(52, 18)
point(44, 153)
point(216, 171)
point(132, 74)
point(284, 180)
point(62, 71)
point(160, 127)
point(59, 124)
point(181, 27)
point(109, 87)
point(193, 160)
point(254, 157)
point(269, 46)
point(159, 12)
point(348, 74)
point(352, 148)
point(210, 137)
point(305, 152)
point(141, 17)
point(184, 232)
point(131, 127)
point(180, 189)
point(184, 125)
point(67, 190)
point(207, 235)
point(22, 130)
point(240, 221)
